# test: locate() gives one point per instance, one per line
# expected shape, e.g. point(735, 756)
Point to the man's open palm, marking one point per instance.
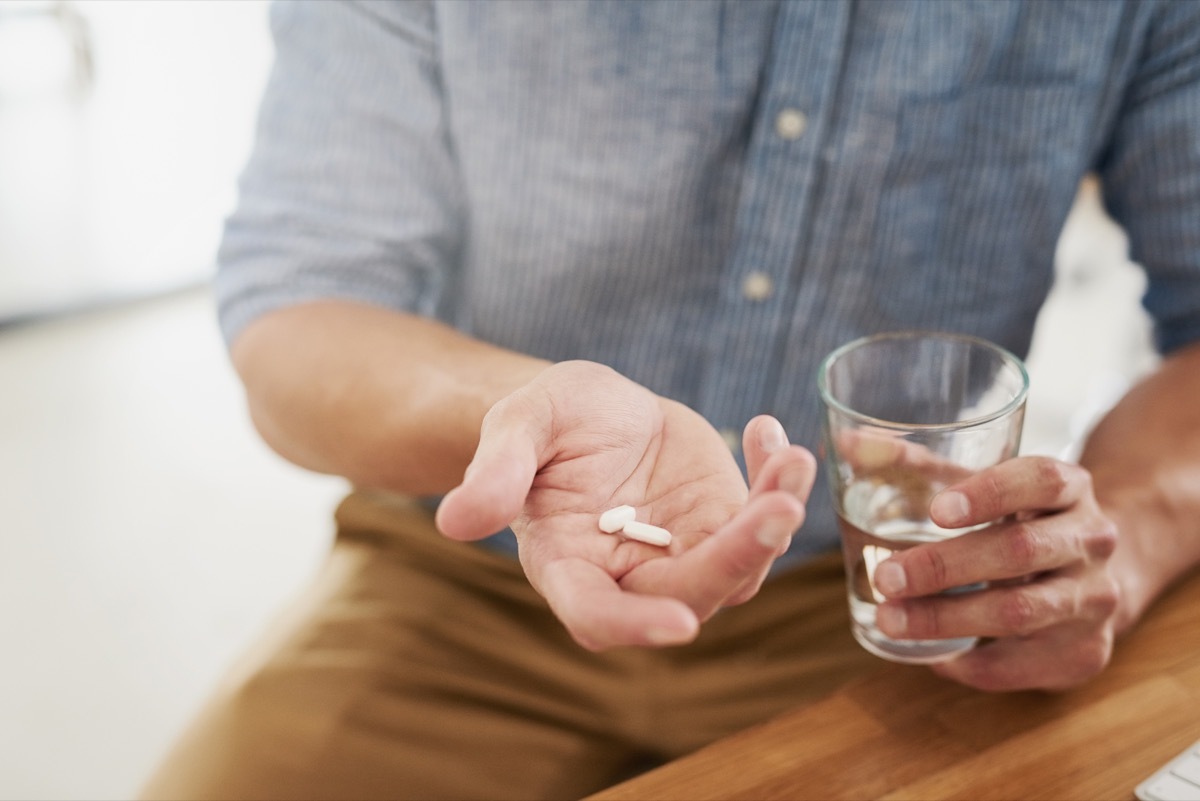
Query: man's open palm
point(581, 439)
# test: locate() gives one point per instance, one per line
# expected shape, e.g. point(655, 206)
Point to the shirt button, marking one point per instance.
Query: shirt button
point(757, 285)
point(732, 439)
point(791, 124)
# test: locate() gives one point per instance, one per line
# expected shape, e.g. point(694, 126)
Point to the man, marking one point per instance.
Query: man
point(546, 259)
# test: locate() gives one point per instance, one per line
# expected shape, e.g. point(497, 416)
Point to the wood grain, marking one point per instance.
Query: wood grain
point(902, 733)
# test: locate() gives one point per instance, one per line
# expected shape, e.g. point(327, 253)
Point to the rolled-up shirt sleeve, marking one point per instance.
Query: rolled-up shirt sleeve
point(351, 190)
point(1151, 172)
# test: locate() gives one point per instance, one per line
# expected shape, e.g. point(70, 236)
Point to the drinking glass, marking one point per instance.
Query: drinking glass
point(907, 414)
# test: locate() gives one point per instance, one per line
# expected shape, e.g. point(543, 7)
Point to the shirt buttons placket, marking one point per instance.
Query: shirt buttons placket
point(790, 124)
point(757, 286)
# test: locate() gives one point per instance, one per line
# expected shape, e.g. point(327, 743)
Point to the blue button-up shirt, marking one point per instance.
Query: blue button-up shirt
point(710, 196)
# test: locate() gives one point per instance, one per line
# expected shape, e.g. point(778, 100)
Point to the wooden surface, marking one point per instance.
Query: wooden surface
point(903, 733)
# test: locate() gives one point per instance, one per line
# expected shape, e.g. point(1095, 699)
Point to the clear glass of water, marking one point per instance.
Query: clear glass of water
point(907, 414)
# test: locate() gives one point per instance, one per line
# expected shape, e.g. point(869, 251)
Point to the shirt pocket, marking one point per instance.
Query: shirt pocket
point(973, 196)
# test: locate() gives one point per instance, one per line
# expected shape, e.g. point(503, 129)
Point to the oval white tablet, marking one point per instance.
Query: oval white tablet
point(644, 532)
point(615, 519)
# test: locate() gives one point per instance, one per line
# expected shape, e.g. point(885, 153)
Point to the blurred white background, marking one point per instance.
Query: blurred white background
point(121, 125)
point(146, 535)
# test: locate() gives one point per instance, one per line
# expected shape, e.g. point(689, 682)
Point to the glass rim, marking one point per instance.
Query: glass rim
point(1005, 355)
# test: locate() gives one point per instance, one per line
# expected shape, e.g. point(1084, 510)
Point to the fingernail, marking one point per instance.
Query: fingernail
point(771, 436)
point(950, 507)
point(775, 533)
point(890, 578)
point(891, 619)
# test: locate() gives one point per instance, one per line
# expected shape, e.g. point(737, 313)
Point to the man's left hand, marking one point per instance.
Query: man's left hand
point(1048, 610)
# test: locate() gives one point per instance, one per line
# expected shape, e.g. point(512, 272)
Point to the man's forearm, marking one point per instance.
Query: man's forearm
point(1145, 461)
point(385, 399)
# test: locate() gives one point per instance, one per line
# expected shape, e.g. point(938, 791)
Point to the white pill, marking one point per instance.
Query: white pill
point(644, 532)
point(615, 519)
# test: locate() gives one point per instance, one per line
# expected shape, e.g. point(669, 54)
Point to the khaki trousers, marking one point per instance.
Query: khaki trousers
point(418, 667)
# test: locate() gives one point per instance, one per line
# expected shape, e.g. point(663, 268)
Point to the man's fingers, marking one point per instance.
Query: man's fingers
point(1005, 551)
point(733, 561)
point(763, 436)
point(792, 470)
point(599, 614)
point(1029, 483)
point(773, 464)
point(1052, 523)
point(1010, 610)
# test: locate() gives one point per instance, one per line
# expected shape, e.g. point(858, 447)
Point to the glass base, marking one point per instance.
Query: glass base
point(911, 652)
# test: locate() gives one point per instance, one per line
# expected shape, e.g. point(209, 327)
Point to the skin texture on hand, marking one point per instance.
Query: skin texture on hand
point(580, 439)
point(1081, 552)
point(1051, 598)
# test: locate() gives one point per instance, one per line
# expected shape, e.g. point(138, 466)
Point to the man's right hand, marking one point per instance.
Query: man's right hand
point(579, 439)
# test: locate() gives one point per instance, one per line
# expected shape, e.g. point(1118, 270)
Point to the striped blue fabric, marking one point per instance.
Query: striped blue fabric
point(710, 196)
